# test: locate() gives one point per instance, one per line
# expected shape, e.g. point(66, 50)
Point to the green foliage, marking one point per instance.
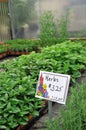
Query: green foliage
point(3, 49)
point(62, 27)
point(17, 98)
point(47, 28)
point(17, 88)
point(53, 31)
point(73, 115)
point(24, 45)
point(67, 58)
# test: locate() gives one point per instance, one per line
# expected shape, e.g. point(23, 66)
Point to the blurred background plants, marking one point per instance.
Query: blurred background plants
point(53, 30)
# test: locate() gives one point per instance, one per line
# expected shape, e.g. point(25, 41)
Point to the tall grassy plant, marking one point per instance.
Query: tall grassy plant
point(63, 28)
point(73, 115)
point(53, 31)
point(47, 28)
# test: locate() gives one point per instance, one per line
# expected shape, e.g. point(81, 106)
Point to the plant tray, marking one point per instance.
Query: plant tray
point(33, 120)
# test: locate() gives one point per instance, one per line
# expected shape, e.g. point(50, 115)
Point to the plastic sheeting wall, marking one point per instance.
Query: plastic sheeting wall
point(25, 16)
point(5, 33)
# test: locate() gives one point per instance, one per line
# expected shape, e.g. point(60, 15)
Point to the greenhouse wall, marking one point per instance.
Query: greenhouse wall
point(25, 16)
point(5, 32)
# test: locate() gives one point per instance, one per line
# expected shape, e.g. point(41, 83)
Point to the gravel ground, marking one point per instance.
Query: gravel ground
point(41, 123)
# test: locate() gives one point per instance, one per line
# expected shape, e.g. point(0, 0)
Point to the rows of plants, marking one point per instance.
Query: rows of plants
point(23, 45)
point(3, 48)
point(19, 46)
point(51, 32)
point(17, 88)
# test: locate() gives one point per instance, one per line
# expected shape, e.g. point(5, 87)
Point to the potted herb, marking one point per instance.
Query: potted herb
point(73, 114)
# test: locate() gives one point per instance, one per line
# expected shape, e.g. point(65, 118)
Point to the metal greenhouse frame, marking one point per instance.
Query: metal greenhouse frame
point(5, 29)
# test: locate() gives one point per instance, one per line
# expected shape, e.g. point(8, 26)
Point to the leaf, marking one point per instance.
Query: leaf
point(6, 115)
point(35, 113)
point(16, 110)
point(9, 106)
point(14, 101)
point(3, 127)
point(2, 105)
point(2, 99)
point(21, 88)
point(77, 74)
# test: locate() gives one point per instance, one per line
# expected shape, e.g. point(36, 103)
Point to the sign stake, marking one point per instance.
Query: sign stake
point(50, 112)
point(54, 88)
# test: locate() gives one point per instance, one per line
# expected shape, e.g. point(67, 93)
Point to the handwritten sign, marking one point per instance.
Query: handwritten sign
point(53, 86)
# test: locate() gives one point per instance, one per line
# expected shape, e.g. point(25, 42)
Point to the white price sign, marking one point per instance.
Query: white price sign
point(53, 86)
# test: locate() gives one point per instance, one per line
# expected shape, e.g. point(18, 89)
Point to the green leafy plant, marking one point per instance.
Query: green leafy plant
point(3, 49)
point(73, 115)
point(17, 99)
point(17, 88)
point(24, 45)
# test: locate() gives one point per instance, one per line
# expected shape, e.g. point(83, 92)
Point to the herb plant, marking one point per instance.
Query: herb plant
point(47, 29)
point(62, 27)
point(53, 30)
point(17, 88)
point(23, 45)
point(3, 49)
point(17, 100)
point(73, 115)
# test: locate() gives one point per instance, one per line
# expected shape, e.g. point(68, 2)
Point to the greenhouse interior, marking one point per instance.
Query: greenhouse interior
point(42, 64)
